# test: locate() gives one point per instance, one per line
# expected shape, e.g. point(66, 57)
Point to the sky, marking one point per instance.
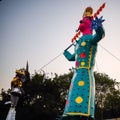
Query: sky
point(39, 30)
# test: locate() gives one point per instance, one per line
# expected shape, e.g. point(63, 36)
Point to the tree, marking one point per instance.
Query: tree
point(45, 97)
point(4, 97)
point(107, 96)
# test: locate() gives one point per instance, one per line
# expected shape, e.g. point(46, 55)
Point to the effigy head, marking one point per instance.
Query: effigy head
point(86, 22)
point(21, 73)
point(85, 25)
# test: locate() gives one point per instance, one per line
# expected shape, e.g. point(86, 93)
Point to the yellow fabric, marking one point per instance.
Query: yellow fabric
point(16, 82)
point(20, 72)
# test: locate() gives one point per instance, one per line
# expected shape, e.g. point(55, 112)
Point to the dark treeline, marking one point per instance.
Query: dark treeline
point(45, 97)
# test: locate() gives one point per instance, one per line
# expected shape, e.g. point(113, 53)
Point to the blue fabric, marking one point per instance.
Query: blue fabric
point(81, 97)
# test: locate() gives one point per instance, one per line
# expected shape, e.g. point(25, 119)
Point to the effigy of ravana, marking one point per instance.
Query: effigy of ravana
point(80, 104)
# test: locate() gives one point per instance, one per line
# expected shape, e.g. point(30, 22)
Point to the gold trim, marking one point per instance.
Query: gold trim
point(90, 79)
point(87, 67)
point(72, 113)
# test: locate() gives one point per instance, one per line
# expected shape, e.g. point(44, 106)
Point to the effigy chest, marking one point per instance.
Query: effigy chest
point(85, 52)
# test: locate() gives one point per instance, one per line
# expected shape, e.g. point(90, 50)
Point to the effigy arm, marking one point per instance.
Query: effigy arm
point(100, 33)
point(69, 56)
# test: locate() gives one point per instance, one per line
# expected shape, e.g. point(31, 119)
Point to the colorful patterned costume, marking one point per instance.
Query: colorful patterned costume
point(81, 95)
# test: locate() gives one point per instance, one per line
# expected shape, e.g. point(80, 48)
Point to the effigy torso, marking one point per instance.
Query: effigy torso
point(84, 52)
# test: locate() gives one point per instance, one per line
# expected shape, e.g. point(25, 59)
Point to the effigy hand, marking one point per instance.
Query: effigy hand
point(97, 22)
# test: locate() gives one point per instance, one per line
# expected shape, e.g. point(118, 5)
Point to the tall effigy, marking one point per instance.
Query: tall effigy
point(21, 78)
point(80, 104)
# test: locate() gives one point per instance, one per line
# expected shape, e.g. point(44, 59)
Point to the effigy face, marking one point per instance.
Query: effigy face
point(85, 25)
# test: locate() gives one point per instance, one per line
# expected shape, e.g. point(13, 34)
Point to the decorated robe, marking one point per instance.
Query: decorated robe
point(81, 97)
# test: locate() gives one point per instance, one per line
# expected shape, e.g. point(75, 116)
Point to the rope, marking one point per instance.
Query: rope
point(110, 53)
point(50, 61)
point(70, 46)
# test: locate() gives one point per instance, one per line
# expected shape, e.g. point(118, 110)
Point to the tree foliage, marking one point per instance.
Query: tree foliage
point(107, 95)
point(45, 97)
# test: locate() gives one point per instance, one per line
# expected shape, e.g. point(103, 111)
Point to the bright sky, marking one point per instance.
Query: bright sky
point(39, 30)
